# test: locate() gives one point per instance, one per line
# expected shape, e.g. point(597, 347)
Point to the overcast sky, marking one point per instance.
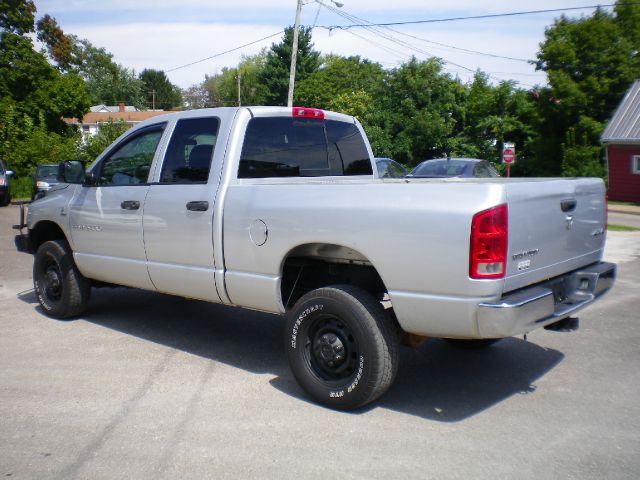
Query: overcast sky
point(165, 34)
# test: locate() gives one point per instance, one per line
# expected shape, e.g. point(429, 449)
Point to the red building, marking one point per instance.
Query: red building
point(622, 141)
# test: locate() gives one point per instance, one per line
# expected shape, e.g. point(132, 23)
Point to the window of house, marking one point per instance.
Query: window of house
point(301, 147)
point(635, 164)
point(130, 162)
point(189, 154)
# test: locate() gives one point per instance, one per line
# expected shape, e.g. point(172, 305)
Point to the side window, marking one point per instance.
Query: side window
point(188, 157)
point(481, 171)
point(635, 164)
point(347, 149)
point(284, 147)
point(129, 164)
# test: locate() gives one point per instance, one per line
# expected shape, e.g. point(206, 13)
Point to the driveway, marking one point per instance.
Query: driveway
point(146, 386)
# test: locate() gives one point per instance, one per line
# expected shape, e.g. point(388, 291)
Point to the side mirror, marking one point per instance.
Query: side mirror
point(9, 173)
point(71, 171)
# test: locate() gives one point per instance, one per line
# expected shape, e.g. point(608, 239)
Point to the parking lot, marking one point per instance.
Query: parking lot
point(146, 386)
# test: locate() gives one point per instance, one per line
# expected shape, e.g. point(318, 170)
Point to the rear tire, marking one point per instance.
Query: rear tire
point(342, 346)
point(61, 289)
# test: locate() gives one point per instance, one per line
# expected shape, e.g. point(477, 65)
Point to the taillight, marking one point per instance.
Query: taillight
point(303, 112)
point(488, 245)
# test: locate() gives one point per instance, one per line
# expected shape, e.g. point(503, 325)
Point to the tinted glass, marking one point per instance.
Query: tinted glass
point(130, 163)
point(47, 171)
point(283, 147)
point(445, 168)
point(347, 150)
point(188, 157)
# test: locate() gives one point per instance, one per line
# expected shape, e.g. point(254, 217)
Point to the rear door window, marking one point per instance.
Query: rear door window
point(189, 154)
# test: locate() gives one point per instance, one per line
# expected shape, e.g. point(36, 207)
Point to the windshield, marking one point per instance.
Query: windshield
point(47, 171)
point(437, 168)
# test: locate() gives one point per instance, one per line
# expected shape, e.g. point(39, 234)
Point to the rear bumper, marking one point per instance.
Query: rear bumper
point(525, 310)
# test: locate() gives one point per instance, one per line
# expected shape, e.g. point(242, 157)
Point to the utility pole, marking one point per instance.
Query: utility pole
point(239, 98)
point(294, 55)
point(153, 99)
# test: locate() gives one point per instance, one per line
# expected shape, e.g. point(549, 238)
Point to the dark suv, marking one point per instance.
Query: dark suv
point(5, 184)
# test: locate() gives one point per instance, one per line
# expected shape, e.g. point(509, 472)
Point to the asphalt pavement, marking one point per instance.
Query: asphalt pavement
point(146, 386)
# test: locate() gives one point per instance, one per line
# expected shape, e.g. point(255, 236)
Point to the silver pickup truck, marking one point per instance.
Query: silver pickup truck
point(280, 210)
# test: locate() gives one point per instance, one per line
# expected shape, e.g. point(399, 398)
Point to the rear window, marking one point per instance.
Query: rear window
point(449, 168)
point(292, 147)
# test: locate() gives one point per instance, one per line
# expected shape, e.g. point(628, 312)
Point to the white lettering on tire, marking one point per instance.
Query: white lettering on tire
point(299, 320)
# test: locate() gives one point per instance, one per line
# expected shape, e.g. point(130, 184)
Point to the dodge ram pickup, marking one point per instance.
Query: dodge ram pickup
point(281, 210)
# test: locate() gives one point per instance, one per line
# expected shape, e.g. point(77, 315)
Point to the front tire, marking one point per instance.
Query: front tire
point(61, 289)
point(342, 346)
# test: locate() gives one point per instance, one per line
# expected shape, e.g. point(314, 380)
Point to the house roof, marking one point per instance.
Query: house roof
point(624, 126)
point(102, 117)
point(115, 108)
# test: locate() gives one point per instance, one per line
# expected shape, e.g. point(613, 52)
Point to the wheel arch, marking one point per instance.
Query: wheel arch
point(315, 265)
point(43, 231)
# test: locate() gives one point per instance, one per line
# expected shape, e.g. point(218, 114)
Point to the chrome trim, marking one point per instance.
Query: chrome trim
point(537, 306)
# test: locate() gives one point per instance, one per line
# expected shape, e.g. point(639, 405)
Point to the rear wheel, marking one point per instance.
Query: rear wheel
point(61, 289)
point(342, 346)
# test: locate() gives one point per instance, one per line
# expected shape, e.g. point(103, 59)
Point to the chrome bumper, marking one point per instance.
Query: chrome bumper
point(545, 303)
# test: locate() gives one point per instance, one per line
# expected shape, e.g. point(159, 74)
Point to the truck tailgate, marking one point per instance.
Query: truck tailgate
point(555, 226)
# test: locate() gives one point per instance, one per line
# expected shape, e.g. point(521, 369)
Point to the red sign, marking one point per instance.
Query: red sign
point(508, 155)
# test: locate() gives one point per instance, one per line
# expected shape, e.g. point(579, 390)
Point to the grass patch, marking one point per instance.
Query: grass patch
point(622, 228)
point(628, 204)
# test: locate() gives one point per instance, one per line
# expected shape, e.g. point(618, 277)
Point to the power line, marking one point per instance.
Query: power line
point(475, 17)
point(376, 29)
point(224, 53)
point(475, 52)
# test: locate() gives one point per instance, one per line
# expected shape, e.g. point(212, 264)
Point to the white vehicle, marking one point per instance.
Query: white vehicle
point(282, 210)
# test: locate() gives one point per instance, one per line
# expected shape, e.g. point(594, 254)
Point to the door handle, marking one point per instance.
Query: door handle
point(568, 205)
point(130, 205)
point(198, 206)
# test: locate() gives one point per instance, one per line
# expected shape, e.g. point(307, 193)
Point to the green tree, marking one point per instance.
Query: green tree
point(424, 109)
point(359, 104)
point(275, 74)
point(34, 97)
point(493, 115)
point(336, 76)
point(159, 90)
point(222, 88)
point(17, 16)
point(580, 160)
point(196, 96)
point(590, 63)
point(107, 82)
point(93, 146)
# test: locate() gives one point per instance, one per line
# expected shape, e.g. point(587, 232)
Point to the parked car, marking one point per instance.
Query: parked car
point(455, 167)
point(5, 184)
point(44, 180)
point(279, 210)
point(389, 168)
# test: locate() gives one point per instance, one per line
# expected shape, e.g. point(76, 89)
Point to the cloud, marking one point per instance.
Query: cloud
point(164, 34)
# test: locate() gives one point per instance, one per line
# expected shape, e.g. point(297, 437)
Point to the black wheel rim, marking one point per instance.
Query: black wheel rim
point(51, 280)
point(331, 349)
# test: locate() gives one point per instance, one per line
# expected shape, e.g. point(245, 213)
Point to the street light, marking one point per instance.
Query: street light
point(294, 48)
